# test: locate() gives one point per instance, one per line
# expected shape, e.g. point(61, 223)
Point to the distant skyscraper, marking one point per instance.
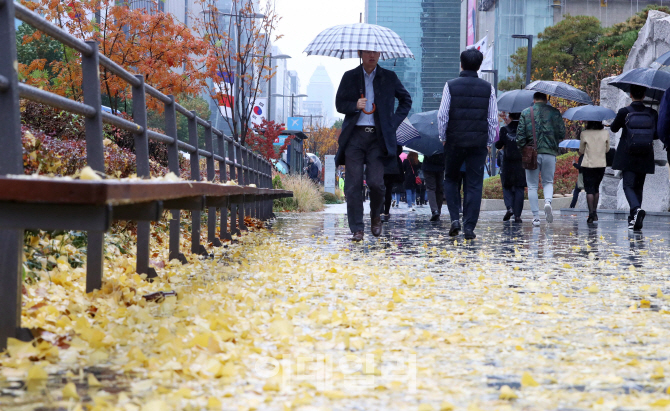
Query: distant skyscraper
point(431, 29)
point(321, 89)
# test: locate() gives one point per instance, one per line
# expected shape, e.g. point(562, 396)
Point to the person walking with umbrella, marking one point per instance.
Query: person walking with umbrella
point(541, 126)
point(635, 152)
point(368, 135)
point(468, 123)
point(595, 143)
point(513, 175)
point(392, 176)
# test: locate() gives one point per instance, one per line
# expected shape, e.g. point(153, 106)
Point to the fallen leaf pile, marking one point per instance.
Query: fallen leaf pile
point(291, 319)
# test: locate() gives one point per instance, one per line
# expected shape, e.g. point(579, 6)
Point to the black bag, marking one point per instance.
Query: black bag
point(640, 129)
point(609, 156)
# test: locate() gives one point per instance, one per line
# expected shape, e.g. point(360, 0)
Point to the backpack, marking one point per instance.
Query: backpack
point(640, 129)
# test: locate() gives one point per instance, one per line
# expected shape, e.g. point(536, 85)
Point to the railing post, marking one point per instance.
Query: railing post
point(143, 170)
point(95, 158)
point(211, 173)
point(173, 166)
point(232, 167)
point(11, 162)
point(196, 247)
point(223, 228)
point(243, 181)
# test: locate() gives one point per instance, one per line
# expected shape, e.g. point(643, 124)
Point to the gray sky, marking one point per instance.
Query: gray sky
point(301, 21)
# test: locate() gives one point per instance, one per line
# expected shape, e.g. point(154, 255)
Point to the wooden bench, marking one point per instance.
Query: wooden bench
point(61, 203)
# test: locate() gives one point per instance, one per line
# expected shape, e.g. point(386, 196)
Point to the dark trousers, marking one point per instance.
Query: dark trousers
point(508, 197)
point(388, 194)
point(633, 183)
point(434, 185)
point(514, 199)
point(474, 159)
point(363, 148)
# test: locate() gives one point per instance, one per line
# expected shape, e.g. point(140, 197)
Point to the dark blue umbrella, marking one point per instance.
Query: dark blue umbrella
point(662, 63)
point(589, 113)
point(655, 81)
point(425, 125)
point(515, 101)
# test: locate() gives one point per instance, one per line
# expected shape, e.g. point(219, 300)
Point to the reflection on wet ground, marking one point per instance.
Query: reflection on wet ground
point(569, 238)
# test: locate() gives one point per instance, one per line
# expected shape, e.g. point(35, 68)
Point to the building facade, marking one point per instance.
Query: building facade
point(321, 90)
point(431, 29)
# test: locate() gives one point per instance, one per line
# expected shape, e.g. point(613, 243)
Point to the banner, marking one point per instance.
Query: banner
point(258, 112)
point(294, 123)
point(487, 64)
point(471, 27)
point(225, 98)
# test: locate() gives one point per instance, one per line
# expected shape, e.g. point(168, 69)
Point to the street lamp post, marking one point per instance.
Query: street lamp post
point(528, 37)
point(292, 97)
point(277, 57)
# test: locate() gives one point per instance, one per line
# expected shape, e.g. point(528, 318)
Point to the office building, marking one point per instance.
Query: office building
point(431, 29)
point(321, 89)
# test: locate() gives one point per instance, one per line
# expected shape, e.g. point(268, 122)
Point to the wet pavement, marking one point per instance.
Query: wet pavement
point(566, 316)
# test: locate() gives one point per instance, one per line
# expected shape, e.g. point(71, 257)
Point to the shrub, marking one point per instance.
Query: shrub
point(565, 178)
point(306, 195)
point(330, 198)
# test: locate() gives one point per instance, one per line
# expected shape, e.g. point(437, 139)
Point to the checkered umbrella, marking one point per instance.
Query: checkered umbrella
point(345, 40)
point(560, 90)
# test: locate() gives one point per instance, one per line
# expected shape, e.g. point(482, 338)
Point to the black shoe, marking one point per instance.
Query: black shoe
point(637, 220)
point(376, 226)
point(385, 218)
point(518, 220)
point(435, 217)
point(508, 214)
point(469, 234)
point(455, 228)
point(357, 237)
point(589, 220)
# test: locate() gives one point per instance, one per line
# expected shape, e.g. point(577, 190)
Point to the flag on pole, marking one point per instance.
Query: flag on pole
point(482, 45)
point(487, 64)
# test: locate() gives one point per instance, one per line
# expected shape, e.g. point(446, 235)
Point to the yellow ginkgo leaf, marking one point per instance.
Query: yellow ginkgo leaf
point(527, 380)
point(70, 391)
point(506, 393)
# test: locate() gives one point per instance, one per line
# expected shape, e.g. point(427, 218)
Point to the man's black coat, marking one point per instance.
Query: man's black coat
point(387, 88)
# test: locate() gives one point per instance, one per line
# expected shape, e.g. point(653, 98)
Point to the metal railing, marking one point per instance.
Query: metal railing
point(234, 159)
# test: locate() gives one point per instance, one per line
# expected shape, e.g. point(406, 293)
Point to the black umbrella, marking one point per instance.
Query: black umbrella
point(589, 113)
point(662, 63)
point(655, 81)
point(560, 90)
point(515, 101)
point(426, 125)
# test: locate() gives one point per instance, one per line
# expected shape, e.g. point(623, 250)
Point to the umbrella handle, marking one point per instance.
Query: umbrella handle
point(374, 107)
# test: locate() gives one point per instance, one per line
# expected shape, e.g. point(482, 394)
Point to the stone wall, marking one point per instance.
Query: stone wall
point(653, 41)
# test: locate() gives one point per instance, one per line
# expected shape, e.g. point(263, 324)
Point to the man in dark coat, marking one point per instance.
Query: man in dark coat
point(313, 171)
point(467, 124)
point(634, 166)
point(368, 135)
point(663, 126)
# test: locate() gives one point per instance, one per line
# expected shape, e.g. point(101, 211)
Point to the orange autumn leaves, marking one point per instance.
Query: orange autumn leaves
point(168, 54)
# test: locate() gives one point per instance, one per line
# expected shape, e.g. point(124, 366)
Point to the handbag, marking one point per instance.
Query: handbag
point(529, 153)
point(417, 179)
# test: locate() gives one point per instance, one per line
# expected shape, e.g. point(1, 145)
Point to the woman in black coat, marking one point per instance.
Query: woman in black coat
point(513, 176)
point(634, 167)
point(411, 166)
point(392, 176)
